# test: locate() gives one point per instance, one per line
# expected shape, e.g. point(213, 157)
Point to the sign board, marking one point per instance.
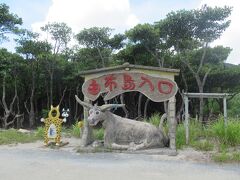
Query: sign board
point(155, 88)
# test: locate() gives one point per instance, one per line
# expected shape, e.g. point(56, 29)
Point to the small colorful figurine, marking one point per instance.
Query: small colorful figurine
point(53, 126)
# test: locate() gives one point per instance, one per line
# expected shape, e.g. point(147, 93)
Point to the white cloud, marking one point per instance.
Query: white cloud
point(79, 14)
point(118, 14)
point(231, 36)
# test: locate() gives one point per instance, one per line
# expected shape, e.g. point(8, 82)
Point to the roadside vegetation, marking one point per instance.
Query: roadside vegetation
point(224, 143)
point(12, 136)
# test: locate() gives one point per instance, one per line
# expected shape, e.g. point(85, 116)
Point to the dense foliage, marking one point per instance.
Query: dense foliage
point(42, 73)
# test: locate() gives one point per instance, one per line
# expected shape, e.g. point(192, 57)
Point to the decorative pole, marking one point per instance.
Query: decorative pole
point(186, 119)
point(172, 122)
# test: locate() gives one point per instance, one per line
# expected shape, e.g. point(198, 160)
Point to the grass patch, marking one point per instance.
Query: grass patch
point(154, 120)
point(196, 131)
point(98, 134)
point(222, 157)
point(222, 148)
point(216, 132)
point(76, 130)
point(214, 136)
point(203, 145)
point(12, 136)
point(40, 132)
point(180, 136)
point(230, 135)
point(236, 157)
point(227, 157)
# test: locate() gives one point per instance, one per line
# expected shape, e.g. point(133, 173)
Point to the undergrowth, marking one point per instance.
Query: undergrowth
point(214, 136)
point(12, 136)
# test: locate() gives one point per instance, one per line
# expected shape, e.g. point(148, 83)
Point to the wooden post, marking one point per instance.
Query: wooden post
point(172, 122)
point(225, 110)
point(186, 119)
point(87, 136)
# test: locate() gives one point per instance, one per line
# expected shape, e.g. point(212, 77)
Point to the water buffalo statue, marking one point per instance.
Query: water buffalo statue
point(122, 133)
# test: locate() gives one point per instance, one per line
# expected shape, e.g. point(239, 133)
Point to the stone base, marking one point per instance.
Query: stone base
point(155, 151)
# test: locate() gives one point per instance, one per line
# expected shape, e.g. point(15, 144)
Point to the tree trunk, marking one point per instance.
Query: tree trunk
point(8, 111)
point(62, 96)
point(200, 82)
point(69, 99)
point(47, 92)
point(102, 59)
point(32, 112)
point(132, 104)
point(165, 103)
point(200, 88)
point(51, 88)
point(124, 108)
point(184, 82)
point(139, 104)
point(201, 105)
point(145, 108)
point(76, 104)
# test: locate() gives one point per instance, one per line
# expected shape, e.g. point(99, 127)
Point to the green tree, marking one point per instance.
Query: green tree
point(10, 68)
point(190, 32)
point(150, 38)
point(99, 40)
point(61, 35)
point(8, 22)
point(32, 49)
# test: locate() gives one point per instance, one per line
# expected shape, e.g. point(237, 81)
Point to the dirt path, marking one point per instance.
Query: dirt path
point(34, 161)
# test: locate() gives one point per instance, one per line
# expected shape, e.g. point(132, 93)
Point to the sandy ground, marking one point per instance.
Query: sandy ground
point(34, 161)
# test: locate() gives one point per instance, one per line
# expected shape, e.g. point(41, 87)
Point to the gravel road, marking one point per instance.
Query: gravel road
point(33, 162)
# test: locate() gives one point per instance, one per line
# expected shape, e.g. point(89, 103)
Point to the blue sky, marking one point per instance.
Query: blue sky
point(118, 14)
point(31, 11)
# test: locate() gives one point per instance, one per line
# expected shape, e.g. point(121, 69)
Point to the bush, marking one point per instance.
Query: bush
point(222, 157)
point(236, 156)
point(44, 113)
point(98, 134)
point(40, 132)
point(154, 120)
point(226, 157)
point(180, 136)
point(203, 145)
point(196, 131)
point(229, 135)
point(233, 106)
point(76, 130)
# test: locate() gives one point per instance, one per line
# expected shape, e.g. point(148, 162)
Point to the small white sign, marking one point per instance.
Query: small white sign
point(52, 131)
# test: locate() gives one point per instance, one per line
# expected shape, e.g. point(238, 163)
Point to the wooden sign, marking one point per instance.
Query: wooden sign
point(155, 88)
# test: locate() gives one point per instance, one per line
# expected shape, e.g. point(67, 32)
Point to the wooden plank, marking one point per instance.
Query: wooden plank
point(206, 95)
point(127, 66)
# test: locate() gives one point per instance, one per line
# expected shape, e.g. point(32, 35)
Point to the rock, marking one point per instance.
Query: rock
point(24, 131)
point(97, 144)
